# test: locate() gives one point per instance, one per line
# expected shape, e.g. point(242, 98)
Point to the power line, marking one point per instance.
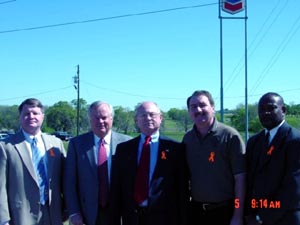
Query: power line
point(5, 2)
point(285, 41)
point(238, 68)
point(260, 78)
point(132, 94)
point(172, 98)
point(107, 18)
point(35, 94)
point(128, 93)
point(260, 94)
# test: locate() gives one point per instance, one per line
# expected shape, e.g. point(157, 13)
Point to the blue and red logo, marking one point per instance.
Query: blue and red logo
point(233, 6)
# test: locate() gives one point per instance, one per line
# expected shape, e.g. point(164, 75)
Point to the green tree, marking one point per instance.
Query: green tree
point(84, 124)
point(9, 118)
point(123, 120)
point(293, 120)
point(182, 118)
point(61, 117)
point(293, 109)
point(238, 118)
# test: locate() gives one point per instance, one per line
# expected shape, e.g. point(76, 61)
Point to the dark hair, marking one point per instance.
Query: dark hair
point(201, 92)
point(33, 102)
point(274, 94)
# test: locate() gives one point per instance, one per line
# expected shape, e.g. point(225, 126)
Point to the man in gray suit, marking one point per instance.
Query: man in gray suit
point(29, 195)
point(83, 182)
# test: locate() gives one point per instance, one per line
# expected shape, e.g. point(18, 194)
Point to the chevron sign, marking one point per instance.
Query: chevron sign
point(233, 6)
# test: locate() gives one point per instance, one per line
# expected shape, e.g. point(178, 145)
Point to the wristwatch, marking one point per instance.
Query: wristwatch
point(258, 219)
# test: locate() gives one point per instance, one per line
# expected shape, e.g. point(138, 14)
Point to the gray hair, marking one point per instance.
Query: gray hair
point(139, 105)
point(97, 103)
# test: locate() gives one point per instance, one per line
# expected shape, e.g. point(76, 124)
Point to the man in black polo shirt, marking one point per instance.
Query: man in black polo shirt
point(216, 158)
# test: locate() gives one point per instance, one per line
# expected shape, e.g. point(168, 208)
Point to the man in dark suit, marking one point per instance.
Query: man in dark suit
point(164, 198)
point(82, 183)
point(28, 194)
point(273, 159)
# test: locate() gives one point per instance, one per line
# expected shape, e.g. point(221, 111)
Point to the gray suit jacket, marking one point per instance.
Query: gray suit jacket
point(19, 191)
point(81, 179)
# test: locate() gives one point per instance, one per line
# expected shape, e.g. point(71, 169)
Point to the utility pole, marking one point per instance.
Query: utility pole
point(76, 85)
point(233, 7)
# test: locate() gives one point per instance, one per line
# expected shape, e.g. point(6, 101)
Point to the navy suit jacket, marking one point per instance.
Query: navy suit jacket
point(81, 185)
point(168, 194)
point(274, 176)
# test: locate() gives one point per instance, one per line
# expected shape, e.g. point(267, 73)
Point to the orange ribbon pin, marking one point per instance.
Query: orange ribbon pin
point(270, 151)
point(211, 157)
point(52, 154)
point(163, 155)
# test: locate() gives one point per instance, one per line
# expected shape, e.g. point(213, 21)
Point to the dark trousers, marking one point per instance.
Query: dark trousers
point(290, 218)
point(102, 217)
point(215, 214)
point(143, 217)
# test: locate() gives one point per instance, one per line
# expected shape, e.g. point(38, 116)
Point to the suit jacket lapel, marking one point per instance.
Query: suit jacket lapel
point(280, 136)
point(132, 157)
point(275, 145)
point(255, 154)
point(24, 154)
point(162, 156)
point(263, 157)
point(90, 154)
point(113, 142)
point(50, 153)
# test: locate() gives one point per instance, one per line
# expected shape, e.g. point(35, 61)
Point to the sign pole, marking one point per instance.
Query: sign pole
point(246, 78)
point(232, 7)
point(221, 66)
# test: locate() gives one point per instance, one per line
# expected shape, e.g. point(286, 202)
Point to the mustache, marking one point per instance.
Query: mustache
point(199, 114)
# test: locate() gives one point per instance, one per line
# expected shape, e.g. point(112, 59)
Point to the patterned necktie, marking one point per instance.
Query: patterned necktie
point(103, 174)
point(141, 188)
point(39, 167)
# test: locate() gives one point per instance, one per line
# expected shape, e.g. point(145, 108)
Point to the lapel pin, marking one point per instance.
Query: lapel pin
point(164, 155)
point(51, 152)
point(271, 149)
point(211, 157)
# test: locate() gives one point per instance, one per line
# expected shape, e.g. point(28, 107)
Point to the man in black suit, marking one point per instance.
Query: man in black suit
point(273, 159)
point(166, 194)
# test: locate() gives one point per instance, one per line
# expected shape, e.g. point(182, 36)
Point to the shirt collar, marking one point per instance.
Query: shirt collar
point(274, 130)
point(29, 137)
point(107, 138)
point(212, 129)
point(154, 137)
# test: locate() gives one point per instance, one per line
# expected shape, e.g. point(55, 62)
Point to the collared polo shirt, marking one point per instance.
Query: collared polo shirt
point(213, 161)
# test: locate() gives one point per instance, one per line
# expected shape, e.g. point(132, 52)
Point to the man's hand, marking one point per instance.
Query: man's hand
point(76, 219)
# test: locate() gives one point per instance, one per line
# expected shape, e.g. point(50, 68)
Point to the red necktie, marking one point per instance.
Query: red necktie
point(103, 174)
point(142, 177)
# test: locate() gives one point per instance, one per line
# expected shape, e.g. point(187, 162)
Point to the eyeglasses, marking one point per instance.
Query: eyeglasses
point(150, 114)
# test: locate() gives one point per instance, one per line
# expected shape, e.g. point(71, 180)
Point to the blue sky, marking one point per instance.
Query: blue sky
point(161, 56)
